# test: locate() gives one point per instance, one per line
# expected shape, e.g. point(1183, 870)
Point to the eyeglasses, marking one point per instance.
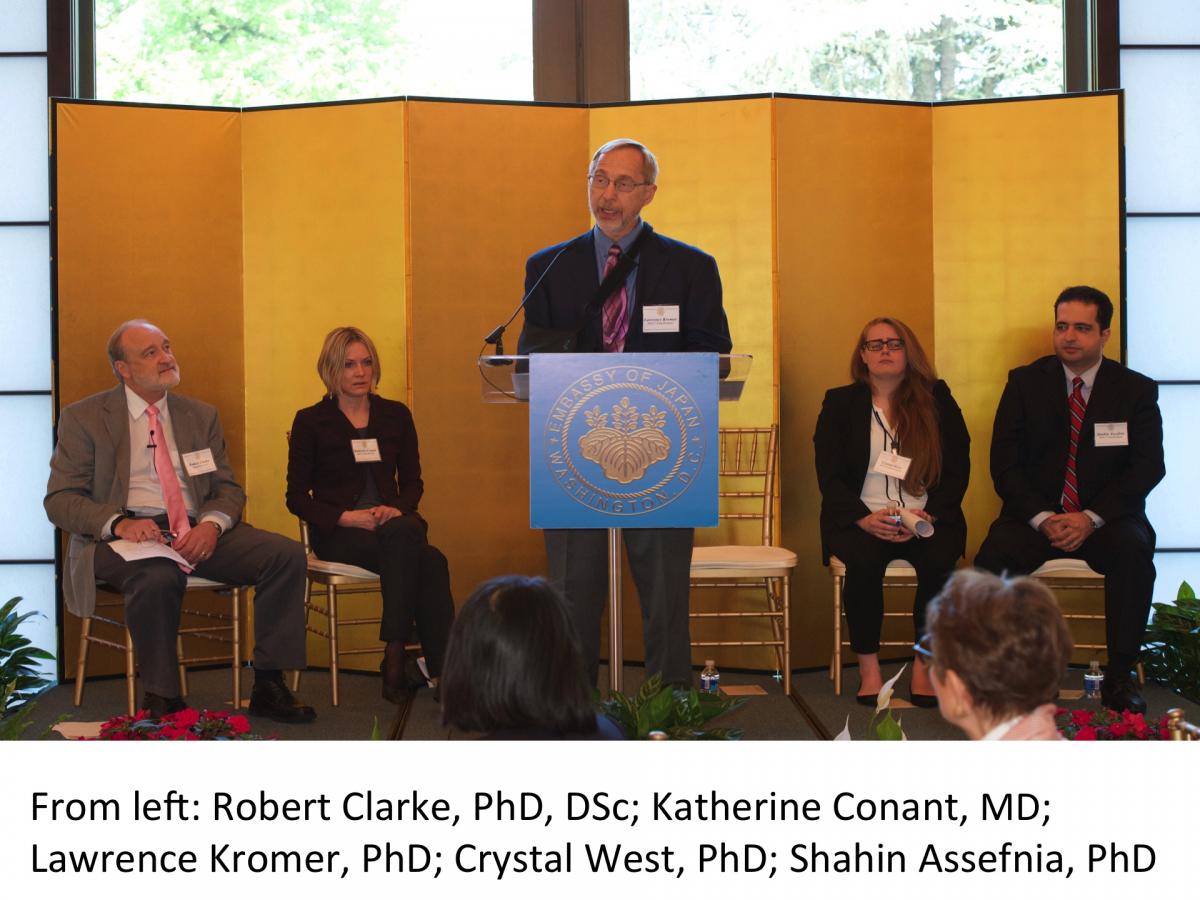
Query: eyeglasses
point(624, 185)
point(921, 648)
point(875, 346)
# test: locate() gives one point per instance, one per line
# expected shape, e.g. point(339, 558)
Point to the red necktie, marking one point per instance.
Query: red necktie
point(1077, 407)
point(616, 324)
point(172, 494)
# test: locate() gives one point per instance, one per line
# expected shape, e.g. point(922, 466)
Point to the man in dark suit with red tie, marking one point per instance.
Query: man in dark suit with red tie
point(1076, 448)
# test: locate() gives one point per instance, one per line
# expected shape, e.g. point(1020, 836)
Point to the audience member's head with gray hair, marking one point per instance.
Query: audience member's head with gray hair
point(997, 650)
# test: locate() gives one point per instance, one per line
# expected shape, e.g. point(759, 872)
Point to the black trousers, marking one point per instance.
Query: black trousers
point(414, 579)
point(661, 560)
point(1121, 550)
point(866, 558)
point(153, 590)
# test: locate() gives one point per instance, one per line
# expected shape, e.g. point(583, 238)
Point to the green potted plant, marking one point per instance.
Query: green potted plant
point(1171, 648)
point(658, 711)
point(20, 682)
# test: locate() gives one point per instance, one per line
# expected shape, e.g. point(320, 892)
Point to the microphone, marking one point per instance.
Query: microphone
point(152, 445)
point(496, 336)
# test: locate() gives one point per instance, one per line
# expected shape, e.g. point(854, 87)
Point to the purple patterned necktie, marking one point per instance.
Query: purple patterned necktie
point(1070, 494)
point(616, 325)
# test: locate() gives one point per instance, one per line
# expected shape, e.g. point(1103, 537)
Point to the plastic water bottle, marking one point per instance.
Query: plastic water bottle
point(1093, 678)
point(710, 678)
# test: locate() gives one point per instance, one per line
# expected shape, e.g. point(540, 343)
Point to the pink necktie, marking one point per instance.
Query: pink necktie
point(172, 495)
point(616, 324)
point(1076, 406)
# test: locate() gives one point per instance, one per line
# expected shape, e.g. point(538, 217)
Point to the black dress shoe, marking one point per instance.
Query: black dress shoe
point(871, 700)
point(401, 673)
point(924, 701)
point(1120, 692)
point(272, 700)
point(397, 689)
point(158, 706)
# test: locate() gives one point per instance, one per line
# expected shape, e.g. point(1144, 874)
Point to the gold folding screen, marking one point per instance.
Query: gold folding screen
point(248, 235)
point(148, 210)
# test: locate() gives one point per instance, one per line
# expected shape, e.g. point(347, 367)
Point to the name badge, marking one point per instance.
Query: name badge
point(199, 462)
point(891, 463)
point(366, 450)
point(1112, 434)
point(660, 318)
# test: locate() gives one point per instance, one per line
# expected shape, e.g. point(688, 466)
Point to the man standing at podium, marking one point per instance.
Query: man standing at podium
point(669, 302)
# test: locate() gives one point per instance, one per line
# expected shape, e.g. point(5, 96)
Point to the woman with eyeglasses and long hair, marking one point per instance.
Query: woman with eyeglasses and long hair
point(997, 649)
point(892, 455)
point(354, 475)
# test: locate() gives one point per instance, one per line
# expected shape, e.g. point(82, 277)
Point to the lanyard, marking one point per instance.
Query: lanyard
point(887, 479)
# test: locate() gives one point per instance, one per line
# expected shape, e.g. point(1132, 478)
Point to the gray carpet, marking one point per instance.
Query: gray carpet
point(814, 713)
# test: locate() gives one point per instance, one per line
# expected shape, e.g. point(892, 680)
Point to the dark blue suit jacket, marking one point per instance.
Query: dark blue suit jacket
point(669, 273)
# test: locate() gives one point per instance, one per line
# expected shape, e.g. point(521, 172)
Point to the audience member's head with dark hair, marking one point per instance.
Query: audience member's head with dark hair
point(513, 665)
point(999, 648)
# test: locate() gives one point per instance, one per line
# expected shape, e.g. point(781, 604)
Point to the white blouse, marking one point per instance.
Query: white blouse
point(884, 491)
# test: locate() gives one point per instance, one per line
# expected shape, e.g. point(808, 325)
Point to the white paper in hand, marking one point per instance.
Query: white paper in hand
point(922, 528)
point(132, 551)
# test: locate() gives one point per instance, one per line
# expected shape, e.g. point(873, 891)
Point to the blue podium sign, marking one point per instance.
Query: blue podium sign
point(623, 440)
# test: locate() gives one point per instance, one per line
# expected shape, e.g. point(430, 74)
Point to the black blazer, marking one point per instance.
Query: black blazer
point(1031, 435)
point(669, 273)
point(323, 480)
point(843, 456)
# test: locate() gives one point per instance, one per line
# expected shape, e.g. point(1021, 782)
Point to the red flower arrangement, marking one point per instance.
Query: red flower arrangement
point(1107, 725)
point(185, 725)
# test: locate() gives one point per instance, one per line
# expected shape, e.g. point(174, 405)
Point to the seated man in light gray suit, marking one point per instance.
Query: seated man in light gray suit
point(141, 464)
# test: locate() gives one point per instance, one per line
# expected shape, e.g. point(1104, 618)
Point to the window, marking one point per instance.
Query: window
point(1162, 134)
point(26, 538)
point(265, 52)
point(892, 49)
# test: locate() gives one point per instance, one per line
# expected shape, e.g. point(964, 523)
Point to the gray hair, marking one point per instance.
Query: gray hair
point(649, 163)
point(116, 348)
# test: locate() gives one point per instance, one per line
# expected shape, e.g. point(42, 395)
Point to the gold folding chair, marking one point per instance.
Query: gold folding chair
point(1077, 575)
point(220, 627)
point(747, 467)
point(337, 579)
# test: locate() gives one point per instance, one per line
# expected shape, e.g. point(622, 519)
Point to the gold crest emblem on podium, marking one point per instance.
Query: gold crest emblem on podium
point(624, 439)
point(625, 449)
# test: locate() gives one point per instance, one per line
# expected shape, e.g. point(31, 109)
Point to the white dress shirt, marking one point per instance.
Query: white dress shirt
point(1089, 378)
point(145, 497)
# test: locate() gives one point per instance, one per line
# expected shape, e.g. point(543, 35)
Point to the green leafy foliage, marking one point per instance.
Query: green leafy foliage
point(20, 680)
point(887, 728)
point(1171, 649)
point(680, 715)
point(895, 49)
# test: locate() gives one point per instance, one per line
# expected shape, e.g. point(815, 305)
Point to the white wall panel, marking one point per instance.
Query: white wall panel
point(24, 531)
point(23, 26)
point(1160, 22)
point(24, 188)
point(1163, 295)
point(25, 308)
point(1171, 507)
point(1162, 130)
